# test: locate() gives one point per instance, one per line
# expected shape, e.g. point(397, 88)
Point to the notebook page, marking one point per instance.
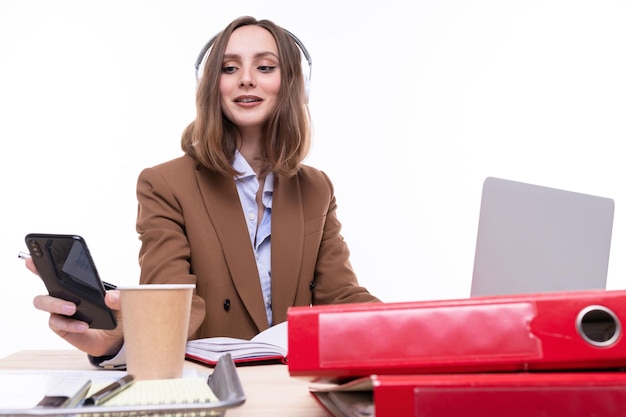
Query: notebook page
point(23, 389)
point(189, 390)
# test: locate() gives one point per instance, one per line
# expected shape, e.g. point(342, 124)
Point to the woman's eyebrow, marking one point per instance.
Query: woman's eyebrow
point(256, 56)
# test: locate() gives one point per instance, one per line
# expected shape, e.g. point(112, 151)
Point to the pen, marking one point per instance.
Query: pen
point(23, 255)
point(109, 286)
point(109, 391)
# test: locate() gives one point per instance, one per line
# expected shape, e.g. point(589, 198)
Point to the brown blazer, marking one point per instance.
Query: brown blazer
point(191, 226)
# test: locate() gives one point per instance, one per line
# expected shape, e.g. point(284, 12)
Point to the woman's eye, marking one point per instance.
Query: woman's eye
point(229, 70)
point(266, 68)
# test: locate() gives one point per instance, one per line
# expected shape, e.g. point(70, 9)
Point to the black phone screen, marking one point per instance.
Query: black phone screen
point(72, 263)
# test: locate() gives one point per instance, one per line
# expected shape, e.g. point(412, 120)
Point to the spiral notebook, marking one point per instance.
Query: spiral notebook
point(191, 390)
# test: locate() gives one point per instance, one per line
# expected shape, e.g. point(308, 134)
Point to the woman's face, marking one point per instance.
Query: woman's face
point(250, 78)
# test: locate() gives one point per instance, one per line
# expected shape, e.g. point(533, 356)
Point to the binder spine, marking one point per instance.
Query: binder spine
point(570, 330)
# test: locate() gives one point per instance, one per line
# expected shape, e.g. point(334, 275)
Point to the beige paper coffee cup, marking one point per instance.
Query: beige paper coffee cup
point(155, 320)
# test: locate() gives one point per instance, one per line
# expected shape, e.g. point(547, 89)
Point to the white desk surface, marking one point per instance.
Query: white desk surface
point(269, 389)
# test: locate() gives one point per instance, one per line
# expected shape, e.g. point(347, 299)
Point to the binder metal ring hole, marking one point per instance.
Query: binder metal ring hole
point(598, 326)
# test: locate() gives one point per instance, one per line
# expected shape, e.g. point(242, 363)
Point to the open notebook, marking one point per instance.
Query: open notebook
point(538, 239)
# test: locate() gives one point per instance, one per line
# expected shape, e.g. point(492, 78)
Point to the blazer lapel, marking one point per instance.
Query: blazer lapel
point(221, 199)
point(287, 244)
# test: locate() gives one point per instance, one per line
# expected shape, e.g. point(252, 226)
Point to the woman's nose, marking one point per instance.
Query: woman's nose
point(247, 78)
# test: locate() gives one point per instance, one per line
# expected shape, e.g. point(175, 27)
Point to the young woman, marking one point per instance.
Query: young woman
point(238, 214)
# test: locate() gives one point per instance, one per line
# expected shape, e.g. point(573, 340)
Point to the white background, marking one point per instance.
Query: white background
point(414, 104)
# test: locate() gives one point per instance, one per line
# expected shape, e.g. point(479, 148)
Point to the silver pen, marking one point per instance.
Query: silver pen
point(109, 391)
point(23, 255)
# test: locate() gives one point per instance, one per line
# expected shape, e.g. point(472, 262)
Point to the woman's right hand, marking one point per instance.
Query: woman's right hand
point(95, 342)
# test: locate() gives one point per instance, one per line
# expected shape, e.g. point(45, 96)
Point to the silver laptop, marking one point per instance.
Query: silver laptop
point(538, 239)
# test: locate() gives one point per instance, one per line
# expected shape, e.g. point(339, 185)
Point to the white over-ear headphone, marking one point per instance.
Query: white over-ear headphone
point(307, 74)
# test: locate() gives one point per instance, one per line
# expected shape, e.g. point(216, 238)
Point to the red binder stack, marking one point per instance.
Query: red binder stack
point(534, 352)
point(522, 394)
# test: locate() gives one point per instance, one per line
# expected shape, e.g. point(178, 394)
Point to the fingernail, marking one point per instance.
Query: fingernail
point(68, 309)
point(81, 326)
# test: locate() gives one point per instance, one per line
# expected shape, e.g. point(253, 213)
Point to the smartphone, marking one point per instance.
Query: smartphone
point(69, 272)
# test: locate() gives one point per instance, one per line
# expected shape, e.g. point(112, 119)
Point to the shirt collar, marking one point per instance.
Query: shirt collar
point(241, 165)
point(268, 190)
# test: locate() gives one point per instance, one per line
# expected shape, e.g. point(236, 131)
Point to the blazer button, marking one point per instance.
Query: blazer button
point(311, 285)
point(226, 304)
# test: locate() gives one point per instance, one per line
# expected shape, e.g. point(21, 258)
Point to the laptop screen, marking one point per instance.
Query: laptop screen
point(538, 239)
